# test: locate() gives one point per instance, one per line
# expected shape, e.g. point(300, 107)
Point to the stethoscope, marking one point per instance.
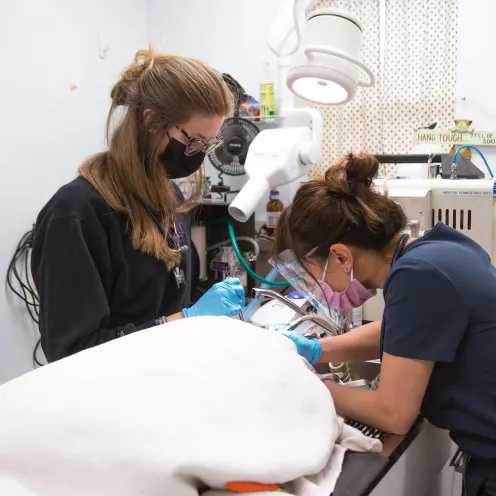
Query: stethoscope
point(176, 247)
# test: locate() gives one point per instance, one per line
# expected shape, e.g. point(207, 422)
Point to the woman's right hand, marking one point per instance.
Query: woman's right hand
point(310, 349)
point(226, 298)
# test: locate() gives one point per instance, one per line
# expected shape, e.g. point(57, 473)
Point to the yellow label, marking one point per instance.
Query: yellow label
point(267, 99)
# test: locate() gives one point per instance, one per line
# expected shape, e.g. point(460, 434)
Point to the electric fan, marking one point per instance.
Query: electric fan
point(229, 158)
point(237, 134)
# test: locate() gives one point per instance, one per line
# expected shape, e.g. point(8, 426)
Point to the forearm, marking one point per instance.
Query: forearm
point(366, 407)
point(101, 336)
point(356, 345)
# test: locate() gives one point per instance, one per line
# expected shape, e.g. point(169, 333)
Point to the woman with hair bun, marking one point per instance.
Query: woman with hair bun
point(437, 338)
point(111, 252)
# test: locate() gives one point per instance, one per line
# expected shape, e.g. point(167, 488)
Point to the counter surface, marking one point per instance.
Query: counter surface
point(363, 471)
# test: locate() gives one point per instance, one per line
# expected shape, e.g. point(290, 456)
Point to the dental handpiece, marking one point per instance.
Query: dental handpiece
point(231, 271)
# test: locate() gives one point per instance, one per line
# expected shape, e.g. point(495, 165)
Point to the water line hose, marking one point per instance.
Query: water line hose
point(471, 147)
point(242, 261)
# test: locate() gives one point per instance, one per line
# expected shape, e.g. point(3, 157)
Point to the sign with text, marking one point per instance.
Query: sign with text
point(439, 137)
point(461, 192)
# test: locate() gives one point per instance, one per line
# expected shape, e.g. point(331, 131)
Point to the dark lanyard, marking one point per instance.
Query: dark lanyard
point(173, 234)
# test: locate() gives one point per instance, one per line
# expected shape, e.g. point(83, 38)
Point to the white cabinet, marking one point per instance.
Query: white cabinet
point(421, 470)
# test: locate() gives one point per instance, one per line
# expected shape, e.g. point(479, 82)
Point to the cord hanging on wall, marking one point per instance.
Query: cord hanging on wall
point(19, 282)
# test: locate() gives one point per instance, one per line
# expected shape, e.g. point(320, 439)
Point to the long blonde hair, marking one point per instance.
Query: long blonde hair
point(129, 175)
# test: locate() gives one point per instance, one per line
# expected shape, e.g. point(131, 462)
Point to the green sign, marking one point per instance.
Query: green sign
point(438, 137)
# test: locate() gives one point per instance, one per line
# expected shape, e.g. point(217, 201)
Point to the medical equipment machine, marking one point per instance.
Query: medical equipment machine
point(466, 205)
point(324, 68)
point(277, 157)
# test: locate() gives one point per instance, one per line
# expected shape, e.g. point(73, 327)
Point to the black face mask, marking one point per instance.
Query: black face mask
point(176, 163)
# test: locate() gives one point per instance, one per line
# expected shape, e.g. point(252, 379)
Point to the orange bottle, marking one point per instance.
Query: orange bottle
point(274, 210)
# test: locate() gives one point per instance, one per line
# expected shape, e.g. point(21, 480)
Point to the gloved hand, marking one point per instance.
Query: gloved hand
point(226, 298)
point(309, 349)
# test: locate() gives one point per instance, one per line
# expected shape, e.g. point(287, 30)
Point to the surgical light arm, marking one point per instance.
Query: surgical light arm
point(277, 157)
point(285, 32)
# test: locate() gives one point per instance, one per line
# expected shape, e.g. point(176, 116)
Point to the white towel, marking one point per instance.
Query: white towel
point(168, 411)
point(323, 483)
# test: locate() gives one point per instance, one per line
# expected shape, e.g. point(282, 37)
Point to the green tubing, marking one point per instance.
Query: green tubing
point(248, 269)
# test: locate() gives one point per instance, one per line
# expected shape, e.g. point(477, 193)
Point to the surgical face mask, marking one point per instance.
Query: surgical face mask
point(176, 163)
point(354, 296)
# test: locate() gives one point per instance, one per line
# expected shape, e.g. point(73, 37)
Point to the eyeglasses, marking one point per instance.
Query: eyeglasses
point(196, 145)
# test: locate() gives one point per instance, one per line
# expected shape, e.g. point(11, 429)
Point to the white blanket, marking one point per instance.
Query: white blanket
point(172, 410)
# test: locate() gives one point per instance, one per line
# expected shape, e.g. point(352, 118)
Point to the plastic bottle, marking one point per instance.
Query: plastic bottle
point(267, 94)
point(274, 210)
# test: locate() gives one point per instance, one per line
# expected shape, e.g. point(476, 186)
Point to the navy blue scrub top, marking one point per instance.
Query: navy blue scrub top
point(440, 305)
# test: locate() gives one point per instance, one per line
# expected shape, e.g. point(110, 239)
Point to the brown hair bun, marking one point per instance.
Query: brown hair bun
point(341, 208)
point(143, 61)
point(352, 175)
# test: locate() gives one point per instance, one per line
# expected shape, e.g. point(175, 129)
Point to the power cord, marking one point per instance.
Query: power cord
point(19, 282)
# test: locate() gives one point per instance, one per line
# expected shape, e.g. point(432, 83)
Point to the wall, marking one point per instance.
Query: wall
point(45, 129)
point(230, 35)
point(476, 69)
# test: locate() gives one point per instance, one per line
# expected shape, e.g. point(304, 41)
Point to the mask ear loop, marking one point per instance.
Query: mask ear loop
point(322, 279)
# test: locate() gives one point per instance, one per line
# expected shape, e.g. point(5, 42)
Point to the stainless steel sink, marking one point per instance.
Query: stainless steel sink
point(361, 374)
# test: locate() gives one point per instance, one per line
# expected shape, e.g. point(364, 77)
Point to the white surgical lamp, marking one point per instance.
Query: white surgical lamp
point(325, 46)
point(324, 68)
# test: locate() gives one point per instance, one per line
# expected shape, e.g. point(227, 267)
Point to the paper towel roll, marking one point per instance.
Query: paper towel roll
point(199, 238)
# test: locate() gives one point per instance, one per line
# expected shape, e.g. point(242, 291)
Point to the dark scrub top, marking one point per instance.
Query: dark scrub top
point(93, 285)
point(440, 305)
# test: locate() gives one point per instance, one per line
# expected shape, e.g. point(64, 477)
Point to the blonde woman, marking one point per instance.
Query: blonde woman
point(111, 250)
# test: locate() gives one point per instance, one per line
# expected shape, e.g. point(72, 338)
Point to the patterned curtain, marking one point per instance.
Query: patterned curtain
point(414, 61)
point(358, 125)
point(419, 79)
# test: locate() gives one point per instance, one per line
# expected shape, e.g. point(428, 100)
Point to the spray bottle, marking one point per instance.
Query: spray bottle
point(267, 94)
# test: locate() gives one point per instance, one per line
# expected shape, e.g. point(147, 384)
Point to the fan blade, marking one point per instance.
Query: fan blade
point(242, 156)
point(249, 131)
point(222, 156)
point(230, 131)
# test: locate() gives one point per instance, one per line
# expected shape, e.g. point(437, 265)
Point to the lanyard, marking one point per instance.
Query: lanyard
point(173, 234)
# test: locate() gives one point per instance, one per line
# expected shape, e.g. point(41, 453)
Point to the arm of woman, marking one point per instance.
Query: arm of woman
point(395, 405)
point(360, 344)
point(357, 345)
point(425, 319)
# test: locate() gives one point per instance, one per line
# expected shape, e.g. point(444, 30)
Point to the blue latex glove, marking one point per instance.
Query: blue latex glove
point(226, 298)
point(309, 349)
